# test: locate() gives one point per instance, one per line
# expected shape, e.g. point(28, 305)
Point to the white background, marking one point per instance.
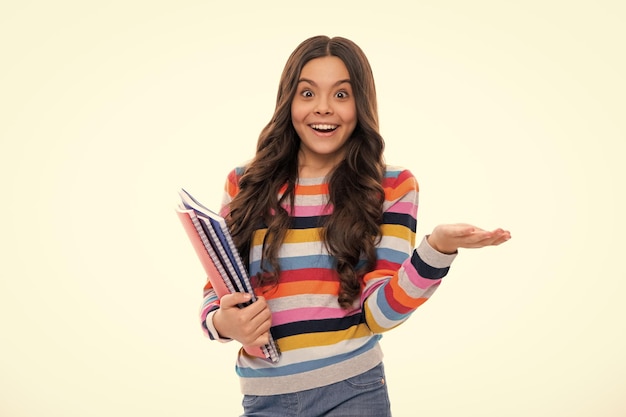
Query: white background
point(509, 116)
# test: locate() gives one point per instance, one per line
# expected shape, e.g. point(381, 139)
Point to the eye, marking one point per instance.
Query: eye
point(341, 94)
point(306, 93)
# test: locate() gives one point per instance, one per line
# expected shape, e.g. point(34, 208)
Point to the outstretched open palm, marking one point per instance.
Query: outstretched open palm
point(448, 238)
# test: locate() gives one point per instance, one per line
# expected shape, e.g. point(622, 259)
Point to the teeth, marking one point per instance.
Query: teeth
point(324, 127)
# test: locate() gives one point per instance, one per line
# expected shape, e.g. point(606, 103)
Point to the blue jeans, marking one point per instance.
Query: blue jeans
point(364, 395)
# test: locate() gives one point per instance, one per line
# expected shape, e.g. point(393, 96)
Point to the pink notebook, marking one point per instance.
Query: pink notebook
point(213, 245)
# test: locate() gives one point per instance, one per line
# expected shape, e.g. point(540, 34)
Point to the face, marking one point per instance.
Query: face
point(323, 113)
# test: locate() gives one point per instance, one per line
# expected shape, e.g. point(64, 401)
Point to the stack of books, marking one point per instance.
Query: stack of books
point(212, 242)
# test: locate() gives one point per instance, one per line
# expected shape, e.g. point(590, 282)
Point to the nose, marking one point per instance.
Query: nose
point(323, 107)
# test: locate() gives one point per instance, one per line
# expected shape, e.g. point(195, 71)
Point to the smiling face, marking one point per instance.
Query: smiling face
point(323, 113)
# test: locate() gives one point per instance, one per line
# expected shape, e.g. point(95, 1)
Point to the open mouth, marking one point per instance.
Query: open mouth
point(324, 128)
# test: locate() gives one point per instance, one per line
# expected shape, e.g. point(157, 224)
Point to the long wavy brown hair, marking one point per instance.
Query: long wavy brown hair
point(352, 231)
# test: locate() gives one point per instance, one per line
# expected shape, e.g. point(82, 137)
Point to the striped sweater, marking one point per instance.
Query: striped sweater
point(321, 343)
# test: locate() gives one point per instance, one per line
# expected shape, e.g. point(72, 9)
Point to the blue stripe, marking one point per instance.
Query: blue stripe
point(298, 368)
point(326, 261)
point(385, 308)
point(209, 300)
point(298, 262)
point(392, 173)
point(391, 255)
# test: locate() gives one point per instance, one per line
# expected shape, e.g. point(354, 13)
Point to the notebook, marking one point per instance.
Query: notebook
point(212, 242)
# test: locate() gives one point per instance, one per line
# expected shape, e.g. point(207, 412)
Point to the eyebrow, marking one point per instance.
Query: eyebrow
point(347, 80)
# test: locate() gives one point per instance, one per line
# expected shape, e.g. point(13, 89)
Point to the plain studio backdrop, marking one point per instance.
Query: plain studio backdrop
point(510, 114)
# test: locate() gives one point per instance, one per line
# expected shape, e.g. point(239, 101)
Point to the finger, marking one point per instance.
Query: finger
point(260, 340)
point(501, 240)
point(234, 299)
point(477, 237)
point(256, 307)
point(476, 240)
point(251, 329)
point(262, 319)
point(263, 328)
point(500, 236)
point(491, 241)
point(494, 234)
point(257, 328)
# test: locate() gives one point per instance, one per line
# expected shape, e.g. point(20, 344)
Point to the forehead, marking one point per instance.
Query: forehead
point(327, 68)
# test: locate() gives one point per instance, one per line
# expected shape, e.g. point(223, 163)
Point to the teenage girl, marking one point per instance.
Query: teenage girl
point(328, 230)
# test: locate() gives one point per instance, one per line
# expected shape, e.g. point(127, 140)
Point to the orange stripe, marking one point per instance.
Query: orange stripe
point(232, 183)
point(379, 273)
point(298, 288)
point(231, 188)
point(403, 298)
point(399, 294)
point(312, 189)
point(394, 193)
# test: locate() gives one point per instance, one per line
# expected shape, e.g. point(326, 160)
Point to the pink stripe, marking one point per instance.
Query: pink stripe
point(310, 211)
point(403, 207)
point(419, 281)
point(301, 314)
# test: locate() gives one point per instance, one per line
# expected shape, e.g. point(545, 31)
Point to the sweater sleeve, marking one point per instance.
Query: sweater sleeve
point(210, 304)
point(210, 300)
point(405, 276)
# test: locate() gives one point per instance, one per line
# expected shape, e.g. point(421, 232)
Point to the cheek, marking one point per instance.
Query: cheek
point(349, 115)
point(297, 113)
point(349, 110)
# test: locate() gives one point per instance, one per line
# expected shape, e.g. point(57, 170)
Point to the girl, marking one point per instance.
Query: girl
point(328, 230)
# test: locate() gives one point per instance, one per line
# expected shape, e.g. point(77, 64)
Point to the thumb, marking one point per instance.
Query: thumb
point(232, 300)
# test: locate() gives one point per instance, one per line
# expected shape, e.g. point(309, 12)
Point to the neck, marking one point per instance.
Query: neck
point(307, 171)
point(315, 168)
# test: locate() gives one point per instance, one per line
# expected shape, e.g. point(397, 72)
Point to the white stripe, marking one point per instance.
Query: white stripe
point(396, 243)
point(311, 199)
point(304, 301)
point(298, 356)
point(412, 291)
point(288, 250)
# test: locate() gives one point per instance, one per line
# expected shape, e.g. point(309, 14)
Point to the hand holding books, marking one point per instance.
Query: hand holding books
point(249, 325)
point(211, 240)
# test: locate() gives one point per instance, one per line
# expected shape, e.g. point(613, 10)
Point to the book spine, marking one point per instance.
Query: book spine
point(212, 254)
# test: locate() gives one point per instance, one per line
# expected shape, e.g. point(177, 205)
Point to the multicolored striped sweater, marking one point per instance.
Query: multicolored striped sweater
point(321, 343)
